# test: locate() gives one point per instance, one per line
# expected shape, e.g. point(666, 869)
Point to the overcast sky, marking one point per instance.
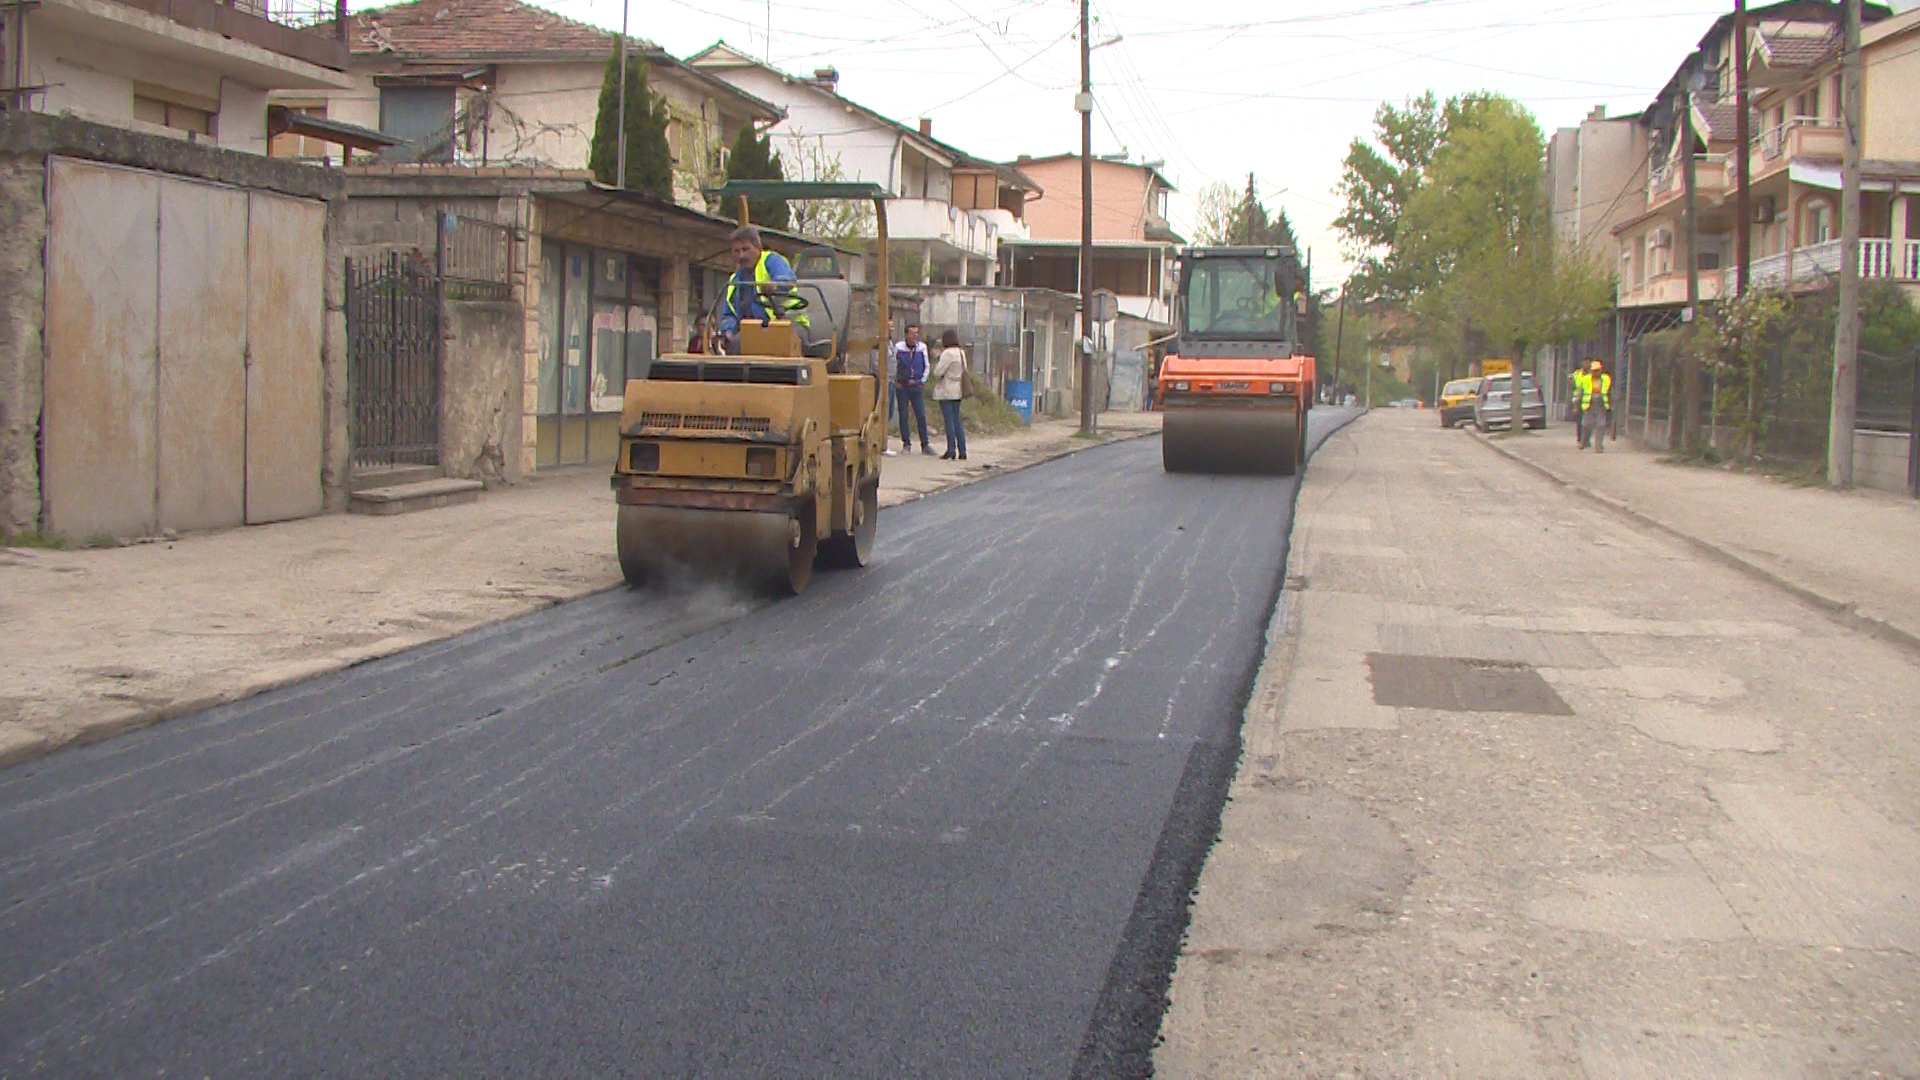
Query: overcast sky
point(1214, 89)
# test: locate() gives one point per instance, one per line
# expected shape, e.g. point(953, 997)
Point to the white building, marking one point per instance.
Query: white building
point(955, 207)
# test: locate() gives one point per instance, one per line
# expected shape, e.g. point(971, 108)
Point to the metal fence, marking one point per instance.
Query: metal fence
point(1777, 414)
point(476, 258)
point(393, 360)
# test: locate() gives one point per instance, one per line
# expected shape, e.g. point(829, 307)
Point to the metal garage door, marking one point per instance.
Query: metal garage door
point(184, 333)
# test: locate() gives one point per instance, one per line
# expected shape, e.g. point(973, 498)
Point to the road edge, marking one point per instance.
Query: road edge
point(113, 725)
point(1846, 612)
point(1124, 1029)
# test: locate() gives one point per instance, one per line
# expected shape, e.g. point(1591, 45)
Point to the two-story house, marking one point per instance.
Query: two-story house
point(1796, 153)
point(951, 210)
point(167, 359)
point(1133, 243)
point(500, 82)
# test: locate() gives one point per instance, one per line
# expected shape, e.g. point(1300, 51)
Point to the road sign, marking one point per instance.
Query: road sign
point(1105, 305)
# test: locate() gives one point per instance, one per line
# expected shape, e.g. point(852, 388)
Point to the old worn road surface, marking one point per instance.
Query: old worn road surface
point(937, 817)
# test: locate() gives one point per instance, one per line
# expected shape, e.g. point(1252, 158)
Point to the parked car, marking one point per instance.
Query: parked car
point(1407, 403)
point(1493, 410)
point(1456, 401)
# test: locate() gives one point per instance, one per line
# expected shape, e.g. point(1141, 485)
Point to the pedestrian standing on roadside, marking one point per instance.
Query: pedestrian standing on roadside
point(1576, 381)
point(1596, 407)
point(949, 386)
point(910, 386)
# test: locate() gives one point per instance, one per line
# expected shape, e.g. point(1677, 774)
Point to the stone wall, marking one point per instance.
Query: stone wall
point(23, 237)
point(1880, 460)
point(481, 391)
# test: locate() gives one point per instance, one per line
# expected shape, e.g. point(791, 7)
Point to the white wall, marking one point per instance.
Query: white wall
point(544, 114)
point(93, 80)
point(867, 149)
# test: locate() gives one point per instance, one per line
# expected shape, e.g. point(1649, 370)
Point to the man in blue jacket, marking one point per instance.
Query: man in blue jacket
point(758, 277)
point(910, 386)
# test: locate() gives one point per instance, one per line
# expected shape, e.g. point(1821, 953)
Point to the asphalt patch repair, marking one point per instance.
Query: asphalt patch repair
point(1462, 684)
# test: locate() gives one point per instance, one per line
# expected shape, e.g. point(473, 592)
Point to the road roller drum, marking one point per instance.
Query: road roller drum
point(1231, 440)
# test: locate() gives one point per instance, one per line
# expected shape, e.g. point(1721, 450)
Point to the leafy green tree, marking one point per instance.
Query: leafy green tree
point(1449, 219)
point(649, 163)
point(1378, 180)
point(754, 158)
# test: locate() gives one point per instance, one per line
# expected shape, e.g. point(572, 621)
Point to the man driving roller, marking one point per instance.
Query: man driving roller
point(760, 276)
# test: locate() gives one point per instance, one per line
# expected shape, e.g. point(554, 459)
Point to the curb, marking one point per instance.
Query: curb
point(39, 745)
point(988, 472)
point(1846, 612)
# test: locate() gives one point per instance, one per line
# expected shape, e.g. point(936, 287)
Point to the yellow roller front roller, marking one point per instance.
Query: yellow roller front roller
point(1231, 439)
point(667, 547)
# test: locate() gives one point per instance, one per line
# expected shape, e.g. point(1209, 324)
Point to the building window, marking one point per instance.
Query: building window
point(1819, 224)
point(164, 107)
point(421, 117)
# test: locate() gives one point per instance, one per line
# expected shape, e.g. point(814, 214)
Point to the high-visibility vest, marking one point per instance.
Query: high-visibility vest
point(761, 276)
point(1590, 385)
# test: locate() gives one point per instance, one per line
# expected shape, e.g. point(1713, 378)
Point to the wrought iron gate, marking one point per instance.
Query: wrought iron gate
point(393, 360)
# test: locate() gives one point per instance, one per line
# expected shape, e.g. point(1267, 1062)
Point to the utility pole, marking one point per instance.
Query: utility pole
point(1689, 426)
point(1339, 332)
point(620, 109)
point(1742, 195)
point(1846, 331)
point(1084, 103)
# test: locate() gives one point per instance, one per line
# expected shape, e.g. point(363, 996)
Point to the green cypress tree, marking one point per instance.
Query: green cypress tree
point(754, 158)
point(649, 163)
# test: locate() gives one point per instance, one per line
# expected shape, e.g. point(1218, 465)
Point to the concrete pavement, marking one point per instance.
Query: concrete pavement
point(105, 641)
point(1849, 552)
point(1530, 790)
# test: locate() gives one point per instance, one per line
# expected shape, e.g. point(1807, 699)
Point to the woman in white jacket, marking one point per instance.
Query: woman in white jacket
point(949, 375)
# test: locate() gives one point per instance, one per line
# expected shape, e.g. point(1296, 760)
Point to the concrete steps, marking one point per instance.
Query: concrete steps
point(419, 495)
point(366, 479)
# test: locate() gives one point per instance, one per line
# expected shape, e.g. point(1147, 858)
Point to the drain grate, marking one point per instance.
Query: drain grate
point(1462, 684)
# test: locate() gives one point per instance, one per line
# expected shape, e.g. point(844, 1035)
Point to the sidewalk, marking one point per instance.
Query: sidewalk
point(1528, 789)
point(1847, 551)
point(104, 641)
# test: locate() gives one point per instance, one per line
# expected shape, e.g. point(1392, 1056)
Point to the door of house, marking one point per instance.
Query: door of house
point(184, 369)
point(393, 361)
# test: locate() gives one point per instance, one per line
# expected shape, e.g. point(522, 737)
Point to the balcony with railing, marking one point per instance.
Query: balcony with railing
point(1799, 137)
point(1712, 179)
point(1881, 259)
point(966, 232)
point(313, 31)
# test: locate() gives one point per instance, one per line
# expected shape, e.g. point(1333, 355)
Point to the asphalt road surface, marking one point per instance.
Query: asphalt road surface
point(935, 817)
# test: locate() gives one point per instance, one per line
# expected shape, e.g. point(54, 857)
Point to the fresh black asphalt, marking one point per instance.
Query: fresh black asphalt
point(936, 817)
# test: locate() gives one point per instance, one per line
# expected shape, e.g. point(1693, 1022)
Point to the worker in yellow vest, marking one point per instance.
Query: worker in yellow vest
point(760, 289)
point(1596, 406)
point(1575, 383)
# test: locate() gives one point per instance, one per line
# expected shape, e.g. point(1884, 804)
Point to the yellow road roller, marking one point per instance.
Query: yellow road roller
point(1237, 382)
point(752, 467)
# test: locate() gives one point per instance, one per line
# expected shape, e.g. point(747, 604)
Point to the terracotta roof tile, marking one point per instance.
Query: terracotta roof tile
point(475, 28)
point(1800, 50)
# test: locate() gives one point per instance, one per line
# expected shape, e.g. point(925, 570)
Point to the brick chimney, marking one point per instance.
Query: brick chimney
point(827, 79)
point(926, 126)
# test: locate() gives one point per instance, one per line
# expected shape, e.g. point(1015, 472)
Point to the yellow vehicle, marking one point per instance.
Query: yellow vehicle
point(750, 468)
point(1456, 401)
